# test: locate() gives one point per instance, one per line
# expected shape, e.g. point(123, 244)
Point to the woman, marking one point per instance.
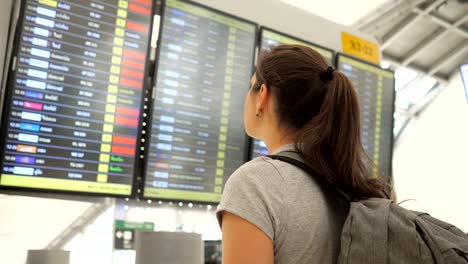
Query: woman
point(271, 211)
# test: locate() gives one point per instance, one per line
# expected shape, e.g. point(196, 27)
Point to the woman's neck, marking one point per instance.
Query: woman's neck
point(276, 140)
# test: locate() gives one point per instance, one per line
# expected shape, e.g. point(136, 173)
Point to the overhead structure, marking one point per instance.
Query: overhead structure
point(424, 40)
point(430, 36)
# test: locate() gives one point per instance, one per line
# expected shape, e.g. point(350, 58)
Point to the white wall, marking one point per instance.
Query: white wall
point(32, 223)
point(431, 162)
point(95, 243)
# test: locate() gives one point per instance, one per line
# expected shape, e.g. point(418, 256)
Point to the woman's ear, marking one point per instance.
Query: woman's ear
point(263, 96)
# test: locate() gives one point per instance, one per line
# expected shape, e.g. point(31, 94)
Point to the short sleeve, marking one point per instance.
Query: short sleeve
point(255, 193)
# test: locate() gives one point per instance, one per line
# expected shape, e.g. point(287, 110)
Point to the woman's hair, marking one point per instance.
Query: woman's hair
point(322, 107)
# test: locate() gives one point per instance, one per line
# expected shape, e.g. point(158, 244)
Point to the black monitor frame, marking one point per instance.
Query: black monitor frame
point(339, 55)
point(310, 43)
point(8, 92)
point(152, 103)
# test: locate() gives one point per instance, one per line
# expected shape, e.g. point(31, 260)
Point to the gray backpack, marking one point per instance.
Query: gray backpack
point(378, 231)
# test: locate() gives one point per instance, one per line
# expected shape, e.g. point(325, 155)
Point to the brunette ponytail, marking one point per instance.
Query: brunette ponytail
point(322, 106)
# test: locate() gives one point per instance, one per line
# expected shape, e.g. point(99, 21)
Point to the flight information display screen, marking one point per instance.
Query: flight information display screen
point(271, 38)
point(74, 100)
point(375, 87)
point(197, 132)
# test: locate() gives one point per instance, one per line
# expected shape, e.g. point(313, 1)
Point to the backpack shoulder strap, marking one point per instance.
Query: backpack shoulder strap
point(294, 159)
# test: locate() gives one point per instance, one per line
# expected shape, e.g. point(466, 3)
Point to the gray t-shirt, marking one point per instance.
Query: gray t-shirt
point(289, 206)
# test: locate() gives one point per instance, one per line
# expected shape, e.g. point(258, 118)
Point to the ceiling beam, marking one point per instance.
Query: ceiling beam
point(397, 30)
point(394, 61)
point(452, 54)
point(414, 52)
point(384, 14)
point(444, 23)
point(382, 11)
point(422, 45)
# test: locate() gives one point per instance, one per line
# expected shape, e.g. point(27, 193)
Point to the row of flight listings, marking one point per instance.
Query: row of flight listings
point(73, 116)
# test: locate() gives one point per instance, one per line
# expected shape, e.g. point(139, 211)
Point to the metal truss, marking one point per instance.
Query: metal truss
point(417, 14)
point(407, 23)
point(410, 14)
point(388, 12)
point(84, 220)
point(455, 53)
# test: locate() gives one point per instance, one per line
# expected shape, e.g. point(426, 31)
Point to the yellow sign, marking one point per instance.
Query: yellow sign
point(360, 48)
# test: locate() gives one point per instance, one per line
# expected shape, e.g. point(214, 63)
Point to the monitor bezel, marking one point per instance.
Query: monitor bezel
point(152, 101)
point(7, 105)
point(310, 43)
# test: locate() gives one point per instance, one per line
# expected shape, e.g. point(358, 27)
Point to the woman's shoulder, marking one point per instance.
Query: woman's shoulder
point(261, 170)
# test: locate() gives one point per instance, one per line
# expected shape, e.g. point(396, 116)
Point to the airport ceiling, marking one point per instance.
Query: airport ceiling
point(425, 41)
point(430, 36)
